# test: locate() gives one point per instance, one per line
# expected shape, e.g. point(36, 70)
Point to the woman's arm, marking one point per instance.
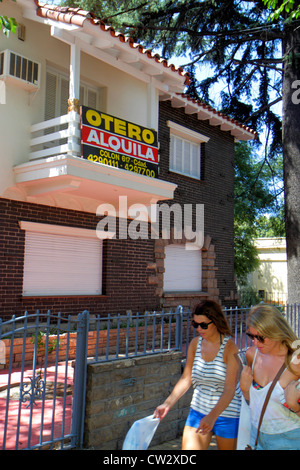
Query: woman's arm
point(292, 397)
point(183, 384)
point(247, 374)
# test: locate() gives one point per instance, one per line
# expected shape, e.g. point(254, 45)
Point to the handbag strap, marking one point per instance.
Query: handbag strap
point(267, 400)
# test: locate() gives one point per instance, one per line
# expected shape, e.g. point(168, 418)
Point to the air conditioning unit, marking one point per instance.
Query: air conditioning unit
point(19, 70)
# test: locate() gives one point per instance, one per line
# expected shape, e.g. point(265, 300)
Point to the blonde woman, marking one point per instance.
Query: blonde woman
point(274, 344)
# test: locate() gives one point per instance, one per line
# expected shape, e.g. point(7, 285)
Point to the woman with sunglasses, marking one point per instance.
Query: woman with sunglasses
point(274, 344)
point(212, 368)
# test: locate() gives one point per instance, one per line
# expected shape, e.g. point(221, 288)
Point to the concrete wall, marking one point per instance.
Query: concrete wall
point(121, 392)
point(271, 275)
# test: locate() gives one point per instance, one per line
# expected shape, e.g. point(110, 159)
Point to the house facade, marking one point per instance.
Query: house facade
point(116, 189)
point(269, 280)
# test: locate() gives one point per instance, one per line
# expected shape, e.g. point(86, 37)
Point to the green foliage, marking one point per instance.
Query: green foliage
point(287, 8)
point(8, 24)
point(255, 196)
point(271, 226)
point(41, 342)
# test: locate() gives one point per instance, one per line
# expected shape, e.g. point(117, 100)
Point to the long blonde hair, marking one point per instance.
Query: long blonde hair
point(269, 322)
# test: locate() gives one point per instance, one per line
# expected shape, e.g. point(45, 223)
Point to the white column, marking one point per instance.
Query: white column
point(74, 89)
point(73, 102)
point(152, 106)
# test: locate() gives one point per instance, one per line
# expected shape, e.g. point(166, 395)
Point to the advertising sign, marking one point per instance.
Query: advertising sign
point(122, 144)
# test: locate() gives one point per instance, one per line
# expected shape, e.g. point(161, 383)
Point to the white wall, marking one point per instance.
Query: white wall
point(126, 96)
point(271, 276)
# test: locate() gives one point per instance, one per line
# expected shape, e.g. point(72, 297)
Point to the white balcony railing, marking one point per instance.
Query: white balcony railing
point(58, 136)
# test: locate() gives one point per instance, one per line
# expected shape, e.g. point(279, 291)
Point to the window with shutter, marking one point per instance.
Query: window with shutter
point(183, 269)
point(62, 264)
point(185, 150)
point(57, 94)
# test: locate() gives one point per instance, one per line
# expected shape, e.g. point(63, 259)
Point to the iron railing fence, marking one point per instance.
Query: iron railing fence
point(124, 336)
point(40, 359)
point(42, 393)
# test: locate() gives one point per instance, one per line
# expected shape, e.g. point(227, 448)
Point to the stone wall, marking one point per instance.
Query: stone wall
point(123, 391)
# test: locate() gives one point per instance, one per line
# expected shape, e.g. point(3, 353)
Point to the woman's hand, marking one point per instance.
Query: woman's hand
point(292, 396)
point(206, 424)
point(246, 381)
point(161, 411)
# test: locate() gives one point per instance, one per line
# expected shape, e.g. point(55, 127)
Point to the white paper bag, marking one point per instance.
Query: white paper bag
point(244, 426)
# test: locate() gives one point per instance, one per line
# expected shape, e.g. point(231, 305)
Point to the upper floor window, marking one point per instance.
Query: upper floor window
point(185, 150)
point(57, 94)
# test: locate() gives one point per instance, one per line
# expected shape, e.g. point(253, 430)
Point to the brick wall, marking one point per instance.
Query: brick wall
point(215, 190)
point(125, 286)
point(121, 392)
point(149, 338)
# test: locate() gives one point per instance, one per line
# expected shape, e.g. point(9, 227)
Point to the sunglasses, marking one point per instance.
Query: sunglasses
point(203, 325)
point(259, 338)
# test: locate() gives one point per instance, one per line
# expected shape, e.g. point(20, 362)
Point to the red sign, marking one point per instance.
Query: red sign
point(111, 141)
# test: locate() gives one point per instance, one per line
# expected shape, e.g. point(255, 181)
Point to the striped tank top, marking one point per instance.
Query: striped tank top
point(208, 379)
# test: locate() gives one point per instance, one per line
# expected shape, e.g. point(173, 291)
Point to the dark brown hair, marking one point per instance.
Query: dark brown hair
point(213, 311)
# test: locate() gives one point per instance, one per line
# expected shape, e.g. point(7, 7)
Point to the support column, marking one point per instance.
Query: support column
point(73, 101)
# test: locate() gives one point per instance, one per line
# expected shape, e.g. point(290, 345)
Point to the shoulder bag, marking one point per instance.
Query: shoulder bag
point(248, 447)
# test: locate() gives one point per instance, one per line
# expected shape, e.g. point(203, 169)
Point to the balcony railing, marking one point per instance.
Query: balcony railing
point(58, 136)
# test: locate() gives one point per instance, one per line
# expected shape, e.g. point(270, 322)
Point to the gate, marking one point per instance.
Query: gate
point(42, 381)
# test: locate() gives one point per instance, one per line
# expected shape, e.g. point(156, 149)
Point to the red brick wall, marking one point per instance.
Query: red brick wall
point(127, 272)
point(215, 190)
point(125, 282)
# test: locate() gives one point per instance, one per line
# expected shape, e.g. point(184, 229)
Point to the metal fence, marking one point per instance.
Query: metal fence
point(42, 388)
point(45, 357)
point(125, 336)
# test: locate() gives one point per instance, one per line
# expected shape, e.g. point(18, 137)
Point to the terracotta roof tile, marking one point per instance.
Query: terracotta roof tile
point(77, 16)
point(219, 114)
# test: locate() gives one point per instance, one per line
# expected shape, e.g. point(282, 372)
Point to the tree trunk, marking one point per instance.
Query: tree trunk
point(291, 157)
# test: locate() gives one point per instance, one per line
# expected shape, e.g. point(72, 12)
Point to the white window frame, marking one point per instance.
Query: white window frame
point(56, 270)
point(185, 150)
point(60, 104)
point(183, 269)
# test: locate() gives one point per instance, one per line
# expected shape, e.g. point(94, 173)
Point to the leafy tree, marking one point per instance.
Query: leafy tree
point(272, 226)
point(279, 7)
point(8, 24)
point(253, 197)
point(253, 49)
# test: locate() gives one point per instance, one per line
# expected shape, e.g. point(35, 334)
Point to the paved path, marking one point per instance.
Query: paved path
point(175, 444)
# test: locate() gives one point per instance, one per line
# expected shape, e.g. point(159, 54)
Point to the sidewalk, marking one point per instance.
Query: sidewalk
point(175, 444)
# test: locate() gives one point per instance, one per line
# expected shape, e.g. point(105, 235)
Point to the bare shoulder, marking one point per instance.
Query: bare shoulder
point(230, 350)
point(231, 347)
point(194, 343)
point(191, 352)
point(250, 353)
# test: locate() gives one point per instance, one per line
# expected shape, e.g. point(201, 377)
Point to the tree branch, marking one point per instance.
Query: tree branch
point(254, 33)
point(263, 108)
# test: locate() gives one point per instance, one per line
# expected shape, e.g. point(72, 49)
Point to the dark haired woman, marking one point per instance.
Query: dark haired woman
point(212, 367)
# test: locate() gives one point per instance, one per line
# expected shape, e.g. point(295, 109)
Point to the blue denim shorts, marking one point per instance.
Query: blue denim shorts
point(289, 440)
point(223, 427)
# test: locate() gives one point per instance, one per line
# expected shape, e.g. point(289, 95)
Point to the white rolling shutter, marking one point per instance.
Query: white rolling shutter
point(62, 265)
point(183, 269)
